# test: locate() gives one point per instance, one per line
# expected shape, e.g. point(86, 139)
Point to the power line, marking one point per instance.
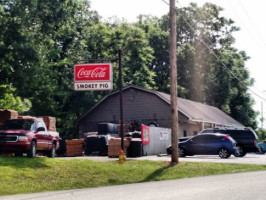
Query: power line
point(256, 32)
point(251, 22)
point(217, 57)
point(231, 6)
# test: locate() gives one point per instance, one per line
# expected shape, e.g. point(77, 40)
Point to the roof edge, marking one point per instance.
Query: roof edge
point(212, 122)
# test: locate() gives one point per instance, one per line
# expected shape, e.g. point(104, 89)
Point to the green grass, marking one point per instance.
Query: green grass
point(24, 175)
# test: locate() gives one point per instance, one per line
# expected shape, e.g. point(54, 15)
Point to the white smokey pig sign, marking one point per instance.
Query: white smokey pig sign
point(97, 76)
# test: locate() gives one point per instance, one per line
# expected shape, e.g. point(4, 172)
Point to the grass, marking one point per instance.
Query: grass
point(24, 175)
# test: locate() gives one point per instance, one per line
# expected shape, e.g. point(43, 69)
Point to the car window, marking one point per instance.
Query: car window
point(223, 131)
point(211, 138)
point(40, 124)
point(241, 134)
point(203, 138)
point(207, 131)
point(233, 133)
point(18, 124)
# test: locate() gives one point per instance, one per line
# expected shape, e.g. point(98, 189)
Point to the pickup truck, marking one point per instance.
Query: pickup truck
point(28, 136)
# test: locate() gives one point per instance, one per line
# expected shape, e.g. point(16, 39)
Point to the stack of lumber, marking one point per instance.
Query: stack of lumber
point(50, 123)
point(26, 117)
point(74, 147)
point(114, 146)
point(7, 114)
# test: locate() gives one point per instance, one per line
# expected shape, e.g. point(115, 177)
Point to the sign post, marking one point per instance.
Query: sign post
point(121, 99)
point(99, 76)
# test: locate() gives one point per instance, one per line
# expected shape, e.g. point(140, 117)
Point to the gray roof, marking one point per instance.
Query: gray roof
point(195, 111)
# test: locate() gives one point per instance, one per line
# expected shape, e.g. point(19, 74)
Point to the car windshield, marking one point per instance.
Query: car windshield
point(18, 124)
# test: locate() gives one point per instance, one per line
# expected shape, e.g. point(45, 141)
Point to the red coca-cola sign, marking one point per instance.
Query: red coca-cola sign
point(93, 72)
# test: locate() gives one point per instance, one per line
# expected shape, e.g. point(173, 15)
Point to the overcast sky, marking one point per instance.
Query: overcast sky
point(248, 15)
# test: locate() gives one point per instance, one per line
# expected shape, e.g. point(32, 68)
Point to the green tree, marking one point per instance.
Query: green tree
point(61, 26)
point(39, 43)
point(205, 57)
point(105, 39)
point(159, 42)
point(136, 56)
point(8, 100)
point(261, 134)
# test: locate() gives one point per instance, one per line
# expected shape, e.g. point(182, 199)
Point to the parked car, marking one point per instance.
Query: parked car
point(245, 138)
point(207, 144)
point(262, 147)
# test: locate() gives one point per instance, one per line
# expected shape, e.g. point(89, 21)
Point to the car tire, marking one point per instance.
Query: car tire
point(182, 152)
point(240, 152)
point(224, 153)
point(52, 152)
point(32, 152)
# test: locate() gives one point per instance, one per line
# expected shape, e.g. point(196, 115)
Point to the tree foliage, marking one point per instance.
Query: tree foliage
point(261, 134)
point(210, 69)
point(41, 41)
point(9, 101)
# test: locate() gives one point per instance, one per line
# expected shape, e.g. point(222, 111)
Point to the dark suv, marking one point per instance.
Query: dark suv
point(246, 138)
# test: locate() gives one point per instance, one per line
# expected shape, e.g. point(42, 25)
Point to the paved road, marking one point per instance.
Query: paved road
point(241, 186)
point(248, 159)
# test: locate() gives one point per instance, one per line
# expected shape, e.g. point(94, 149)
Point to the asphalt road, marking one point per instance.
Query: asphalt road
point(240, 186)
point(250, 158)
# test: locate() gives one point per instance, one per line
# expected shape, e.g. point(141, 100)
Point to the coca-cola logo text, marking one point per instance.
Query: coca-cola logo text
point(98, 72)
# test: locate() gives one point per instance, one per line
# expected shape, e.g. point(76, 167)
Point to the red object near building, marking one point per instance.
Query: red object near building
point(145, 134)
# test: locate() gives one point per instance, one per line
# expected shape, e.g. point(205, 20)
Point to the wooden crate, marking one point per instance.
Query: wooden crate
point(74, 147)
point(114, 146)
point(6, 114)
point(50, 123)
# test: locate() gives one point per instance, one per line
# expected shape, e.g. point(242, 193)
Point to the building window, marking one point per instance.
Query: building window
point(185, 133)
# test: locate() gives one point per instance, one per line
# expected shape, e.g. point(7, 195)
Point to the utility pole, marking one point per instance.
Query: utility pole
point(173, 83)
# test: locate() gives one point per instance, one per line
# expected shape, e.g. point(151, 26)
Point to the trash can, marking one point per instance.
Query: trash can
point(136, 148)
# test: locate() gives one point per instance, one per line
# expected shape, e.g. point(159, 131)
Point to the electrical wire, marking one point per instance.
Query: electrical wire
point(231, 6)
point(251, 22)
point(217, 57)
point(261, 42)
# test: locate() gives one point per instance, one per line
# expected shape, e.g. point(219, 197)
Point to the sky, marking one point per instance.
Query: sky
point(248, 15)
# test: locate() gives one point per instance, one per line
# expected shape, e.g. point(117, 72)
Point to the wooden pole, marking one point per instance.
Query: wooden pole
point(173, 83)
